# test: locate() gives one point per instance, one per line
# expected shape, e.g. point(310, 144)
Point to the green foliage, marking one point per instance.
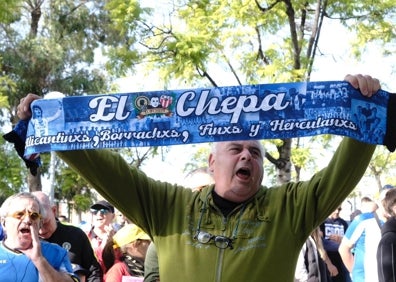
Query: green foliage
point(199, 157)
point(51, 46)
point(9, 11)
point(123, 30)
point(230, 34)
point(71, 187)
point(54, 50)
point(256, 42)
point(372, 22)
point(252, 41)
point(136, 156)
point(12, 171)
point(382, 166)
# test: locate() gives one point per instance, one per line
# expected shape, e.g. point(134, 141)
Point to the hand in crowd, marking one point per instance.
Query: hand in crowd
point(34, 253)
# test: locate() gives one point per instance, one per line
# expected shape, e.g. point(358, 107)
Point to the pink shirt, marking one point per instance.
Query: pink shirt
point(116, 272)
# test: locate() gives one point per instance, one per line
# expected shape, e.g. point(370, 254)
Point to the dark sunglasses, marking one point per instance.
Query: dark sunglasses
point(101, 211)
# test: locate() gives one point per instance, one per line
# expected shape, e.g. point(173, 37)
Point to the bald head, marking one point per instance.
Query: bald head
point(237, 168)
point(44, 199)
point(217, 145)
point(49, 224)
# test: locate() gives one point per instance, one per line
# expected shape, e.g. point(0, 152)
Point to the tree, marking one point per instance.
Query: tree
point(12, 171)
point(381, 163)
point(53, 45)
point(253, 42)
point(74, 190)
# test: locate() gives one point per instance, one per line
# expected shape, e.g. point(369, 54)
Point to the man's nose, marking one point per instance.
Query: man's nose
point(246, 155)
point(27, 219)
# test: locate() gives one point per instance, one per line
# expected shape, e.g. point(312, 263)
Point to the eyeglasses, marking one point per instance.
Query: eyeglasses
point(21, 214)
point(221, 242)
point(101, 211)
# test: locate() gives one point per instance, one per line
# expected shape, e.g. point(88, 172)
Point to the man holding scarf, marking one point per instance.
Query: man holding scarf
point(234, 229)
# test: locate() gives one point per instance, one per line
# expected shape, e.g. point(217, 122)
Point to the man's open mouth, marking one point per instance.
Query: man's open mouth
point(243, 173)
point(25, 230)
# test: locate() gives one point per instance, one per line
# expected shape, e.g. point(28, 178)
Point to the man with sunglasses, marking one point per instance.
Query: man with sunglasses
point(235, 229)
point(23, 257)
point(102, 228)
point(71, 238)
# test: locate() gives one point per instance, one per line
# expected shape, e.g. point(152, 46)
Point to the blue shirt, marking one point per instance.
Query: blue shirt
point(336, 226)
point(364, 235)
point(17, 267)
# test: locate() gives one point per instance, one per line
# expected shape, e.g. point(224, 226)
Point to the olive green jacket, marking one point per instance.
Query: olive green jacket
point(268, 230)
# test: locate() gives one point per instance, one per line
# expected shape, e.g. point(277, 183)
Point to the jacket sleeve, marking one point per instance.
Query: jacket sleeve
point(308, 203)
point(386, 260)
point(151, 267)
point(137, 196)
point(390, 136)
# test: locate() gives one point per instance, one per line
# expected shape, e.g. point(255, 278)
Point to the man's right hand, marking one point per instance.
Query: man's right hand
point(23, 109)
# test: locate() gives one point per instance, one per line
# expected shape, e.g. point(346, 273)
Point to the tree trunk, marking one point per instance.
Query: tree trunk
point(284, 170)
point(34, 181)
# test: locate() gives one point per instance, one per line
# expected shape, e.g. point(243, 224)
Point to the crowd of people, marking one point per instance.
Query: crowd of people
point(362, 250)
point(30, 223)
point(230, 230)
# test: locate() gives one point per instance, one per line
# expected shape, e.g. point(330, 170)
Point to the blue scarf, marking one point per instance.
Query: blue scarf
point(172, 117)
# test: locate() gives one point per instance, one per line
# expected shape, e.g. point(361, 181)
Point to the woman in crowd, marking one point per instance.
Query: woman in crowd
point(124, 255)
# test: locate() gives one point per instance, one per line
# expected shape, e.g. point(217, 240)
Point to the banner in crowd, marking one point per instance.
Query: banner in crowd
point(172, 117)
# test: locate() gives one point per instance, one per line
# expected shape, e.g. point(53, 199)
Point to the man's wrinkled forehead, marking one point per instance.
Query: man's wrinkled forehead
point(249, 144)
point(22, 204)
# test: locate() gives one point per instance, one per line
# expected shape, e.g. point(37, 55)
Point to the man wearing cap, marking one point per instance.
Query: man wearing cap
point(102, 228)
point(127, 253)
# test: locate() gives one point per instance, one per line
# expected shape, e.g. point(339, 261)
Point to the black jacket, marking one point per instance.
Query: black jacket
point(80, 250)
point(386, 253)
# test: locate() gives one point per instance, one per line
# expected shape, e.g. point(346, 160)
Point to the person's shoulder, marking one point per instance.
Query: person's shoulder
point(54, 253)
point(70, 228)
point(342, 221)
point(48, 245)
point(389, 227)
point(363, 217)
point(70, 233)
point(388, 238)
point(116, 270)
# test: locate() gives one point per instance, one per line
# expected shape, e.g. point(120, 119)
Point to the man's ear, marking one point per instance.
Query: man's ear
point(211, 161)
point(54, 210)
